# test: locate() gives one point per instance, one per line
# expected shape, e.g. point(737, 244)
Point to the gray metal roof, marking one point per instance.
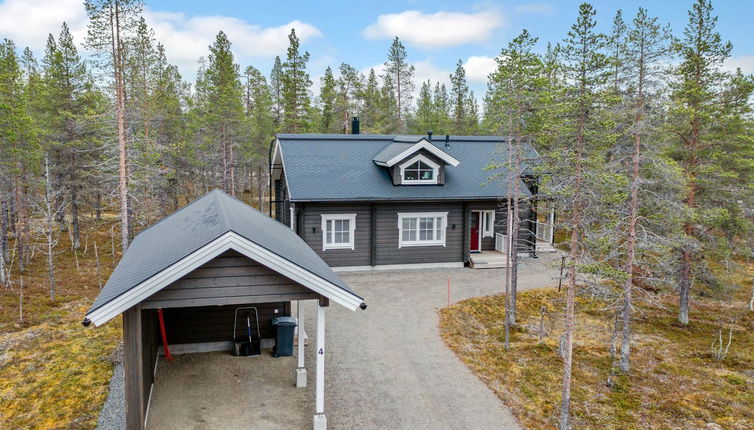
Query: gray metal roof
point(199, 223)
point(340, 167)
point(391, 151)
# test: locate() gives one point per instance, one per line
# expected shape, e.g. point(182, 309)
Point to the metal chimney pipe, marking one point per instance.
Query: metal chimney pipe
point(429, 135)
point(355, 125)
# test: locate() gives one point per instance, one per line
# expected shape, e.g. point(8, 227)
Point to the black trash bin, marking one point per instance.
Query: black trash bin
point(285, 328)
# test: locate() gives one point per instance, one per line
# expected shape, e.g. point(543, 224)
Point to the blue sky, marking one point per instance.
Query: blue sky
point(436, 33)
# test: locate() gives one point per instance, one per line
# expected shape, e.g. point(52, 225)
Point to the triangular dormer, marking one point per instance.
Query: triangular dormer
point(415, 162)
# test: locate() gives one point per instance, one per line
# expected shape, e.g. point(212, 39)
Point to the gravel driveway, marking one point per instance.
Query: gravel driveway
point(387, 367)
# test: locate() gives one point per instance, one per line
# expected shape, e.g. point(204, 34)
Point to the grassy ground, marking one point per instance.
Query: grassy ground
point(675, 381)
point(54, 372)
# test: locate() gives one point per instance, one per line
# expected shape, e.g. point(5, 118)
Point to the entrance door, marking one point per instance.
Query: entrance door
point(476, 225)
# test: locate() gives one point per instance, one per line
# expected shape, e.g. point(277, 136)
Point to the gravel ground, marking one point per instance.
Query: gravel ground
point(387, 367)
point(113, 413)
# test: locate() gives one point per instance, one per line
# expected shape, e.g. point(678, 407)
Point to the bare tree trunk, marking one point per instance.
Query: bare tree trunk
point(625, 348)
point(21, 299)
point(121, 118)
point(751, 301)
point(565, 408)
point(75, 214)
point(261, 186)
point(515, 226)
point(20, 221)
point(96, 260)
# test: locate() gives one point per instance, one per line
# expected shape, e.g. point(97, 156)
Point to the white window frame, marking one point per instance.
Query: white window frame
point(435, 170)
point(488, 225)
point(351, 218)
point(436, 242)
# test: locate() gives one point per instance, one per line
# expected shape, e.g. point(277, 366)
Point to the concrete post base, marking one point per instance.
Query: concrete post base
point(300, 377)
point(320, 422)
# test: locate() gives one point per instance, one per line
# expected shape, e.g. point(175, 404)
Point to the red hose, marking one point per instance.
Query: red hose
point(164, 338)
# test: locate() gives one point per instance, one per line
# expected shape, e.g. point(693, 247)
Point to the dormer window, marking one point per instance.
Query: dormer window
point(419, 170)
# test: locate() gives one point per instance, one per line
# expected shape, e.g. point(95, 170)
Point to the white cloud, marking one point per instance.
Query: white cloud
point(479, 67)
point(29, 22)
point(437, 30)
point(745, 62)
point(186, 38)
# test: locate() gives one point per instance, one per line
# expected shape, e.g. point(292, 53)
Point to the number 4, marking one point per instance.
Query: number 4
point(321, 351)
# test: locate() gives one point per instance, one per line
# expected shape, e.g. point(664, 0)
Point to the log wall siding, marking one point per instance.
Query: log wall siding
point(228, 279)
point(385, 249)
point(215, 323)
point(387, 235)
point(311, 232)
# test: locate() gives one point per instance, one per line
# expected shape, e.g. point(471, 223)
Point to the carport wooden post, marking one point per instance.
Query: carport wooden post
point(132, 368)
point(300, 370)
point(320, 420)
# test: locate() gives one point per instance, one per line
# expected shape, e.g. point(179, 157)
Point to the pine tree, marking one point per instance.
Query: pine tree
point(370, 111)
point(327, 96)
point(276, 87)
point(587, 69)
point(66, 106)
point(295, 88)
point(261, 121)
point(110, 24)
point(459, 95)
point(224, 116)
point(425, 110)
point(441, 109)
point(401, 75)
point(696, 115)
point(348, 101)
point(640, 62)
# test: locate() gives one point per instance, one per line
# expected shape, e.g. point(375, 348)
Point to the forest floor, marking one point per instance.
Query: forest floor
point(54, 373)
point(675, 380)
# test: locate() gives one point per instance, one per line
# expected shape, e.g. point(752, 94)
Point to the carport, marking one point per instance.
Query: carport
point(197, 266)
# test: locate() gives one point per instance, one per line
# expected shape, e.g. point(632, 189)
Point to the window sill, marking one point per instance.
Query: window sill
point(410, 244)
point(333, 247)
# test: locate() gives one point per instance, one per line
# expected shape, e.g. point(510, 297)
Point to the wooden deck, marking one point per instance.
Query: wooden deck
point(487, 260)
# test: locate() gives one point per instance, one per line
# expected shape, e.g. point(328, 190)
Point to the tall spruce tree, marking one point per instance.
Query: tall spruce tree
point(459, 96)
point(260, 117)
point(295, 88)
point(327, 100)
point(276, 88)
point(224, 115)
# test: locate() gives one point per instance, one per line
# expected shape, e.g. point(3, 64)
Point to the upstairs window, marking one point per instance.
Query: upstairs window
point(419, 170)
point(338, 231)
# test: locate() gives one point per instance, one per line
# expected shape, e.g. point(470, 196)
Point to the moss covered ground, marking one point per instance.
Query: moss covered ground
point(54, 373)
point(675, 381)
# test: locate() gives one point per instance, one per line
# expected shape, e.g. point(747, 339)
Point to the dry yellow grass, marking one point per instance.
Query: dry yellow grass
point(54, 372)
point(675, 382)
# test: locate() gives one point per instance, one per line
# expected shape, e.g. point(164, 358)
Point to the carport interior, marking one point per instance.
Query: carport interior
point(198, 313)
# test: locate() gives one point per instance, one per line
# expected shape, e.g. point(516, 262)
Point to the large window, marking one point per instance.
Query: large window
point(422, 229)
point(338, 231)
point(419, 170)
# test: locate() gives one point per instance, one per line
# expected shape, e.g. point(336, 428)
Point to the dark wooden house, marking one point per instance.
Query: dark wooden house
point(385, 201)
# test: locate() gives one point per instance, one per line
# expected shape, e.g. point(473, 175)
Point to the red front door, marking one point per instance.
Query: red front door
point(475, 222)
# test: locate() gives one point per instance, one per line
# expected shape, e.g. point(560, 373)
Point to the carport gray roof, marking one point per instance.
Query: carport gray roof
point(199, 223)
point(340, 167)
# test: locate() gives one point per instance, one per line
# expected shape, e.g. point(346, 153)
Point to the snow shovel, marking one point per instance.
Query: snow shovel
point(251, 345)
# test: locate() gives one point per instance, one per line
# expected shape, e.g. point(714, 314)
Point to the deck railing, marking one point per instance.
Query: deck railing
point(501, 243)
point(544, 232)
